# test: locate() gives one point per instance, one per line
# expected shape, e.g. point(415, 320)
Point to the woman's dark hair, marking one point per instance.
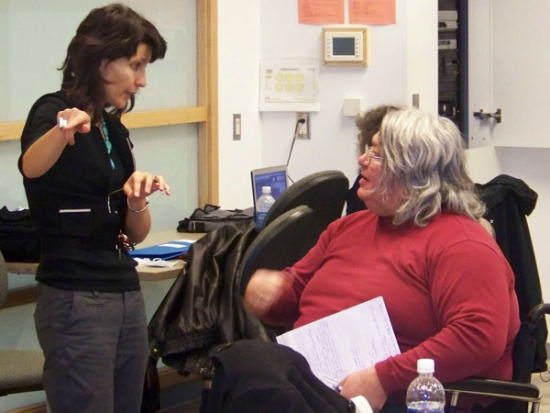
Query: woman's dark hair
point(111, 32)
point(369, 124)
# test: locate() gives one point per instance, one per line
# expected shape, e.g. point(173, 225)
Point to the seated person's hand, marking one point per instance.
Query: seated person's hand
point(263, 290)
point(365, 383)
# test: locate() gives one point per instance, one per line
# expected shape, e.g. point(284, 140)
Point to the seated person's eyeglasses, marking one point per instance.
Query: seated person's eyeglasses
point(371, 155)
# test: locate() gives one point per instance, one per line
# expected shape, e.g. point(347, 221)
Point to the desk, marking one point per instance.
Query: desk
point(145, 273)
point(161, 273)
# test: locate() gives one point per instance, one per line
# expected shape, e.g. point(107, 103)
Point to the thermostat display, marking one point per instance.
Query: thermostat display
point(345, 46)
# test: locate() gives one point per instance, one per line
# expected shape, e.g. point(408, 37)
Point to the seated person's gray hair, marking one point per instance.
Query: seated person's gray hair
point(424, 156)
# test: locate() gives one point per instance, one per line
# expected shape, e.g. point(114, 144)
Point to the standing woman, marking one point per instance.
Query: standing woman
point(87, 201)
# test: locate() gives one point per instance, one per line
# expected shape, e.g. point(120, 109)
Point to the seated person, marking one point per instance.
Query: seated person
point(448, 288)
point(368, 124)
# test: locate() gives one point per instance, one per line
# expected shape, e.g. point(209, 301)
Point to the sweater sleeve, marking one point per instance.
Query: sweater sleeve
point(472, 291)
point(286, 311)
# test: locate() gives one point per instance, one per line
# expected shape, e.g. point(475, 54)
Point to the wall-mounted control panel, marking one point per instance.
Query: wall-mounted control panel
point(345, 46)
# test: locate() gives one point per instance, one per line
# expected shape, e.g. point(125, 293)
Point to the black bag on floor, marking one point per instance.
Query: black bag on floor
point(211, 217)
point(18, 238)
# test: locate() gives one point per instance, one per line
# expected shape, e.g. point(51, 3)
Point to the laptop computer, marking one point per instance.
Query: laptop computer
point(274, 176)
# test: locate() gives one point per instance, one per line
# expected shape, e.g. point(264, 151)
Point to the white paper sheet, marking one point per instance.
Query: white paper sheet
point(344, 342)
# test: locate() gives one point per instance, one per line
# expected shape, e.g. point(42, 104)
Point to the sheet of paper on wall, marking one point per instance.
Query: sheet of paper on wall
point(344, 342)
point(289, 84)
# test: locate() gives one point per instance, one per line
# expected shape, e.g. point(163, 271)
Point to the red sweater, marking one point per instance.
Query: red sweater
point(448, 289)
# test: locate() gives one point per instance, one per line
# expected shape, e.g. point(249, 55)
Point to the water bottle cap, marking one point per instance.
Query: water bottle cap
point(266, 189)
point(425, 366)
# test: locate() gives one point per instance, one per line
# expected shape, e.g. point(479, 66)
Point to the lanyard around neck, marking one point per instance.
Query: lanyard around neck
point(108, 143)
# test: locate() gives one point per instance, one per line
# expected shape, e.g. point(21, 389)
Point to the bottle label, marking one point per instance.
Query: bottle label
point(260, 217)
point(425, 407)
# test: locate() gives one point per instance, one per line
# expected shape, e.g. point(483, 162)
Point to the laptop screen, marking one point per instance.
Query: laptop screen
point(274, 176)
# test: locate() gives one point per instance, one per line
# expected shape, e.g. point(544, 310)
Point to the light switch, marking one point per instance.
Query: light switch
point(236, 126)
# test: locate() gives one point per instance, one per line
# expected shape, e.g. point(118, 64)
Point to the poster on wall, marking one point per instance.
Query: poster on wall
point(371, 11)
point(321, 11)
point(289, 85)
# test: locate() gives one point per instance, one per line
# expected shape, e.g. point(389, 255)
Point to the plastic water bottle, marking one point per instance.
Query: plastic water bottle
point(262, 206)
point(425, 393)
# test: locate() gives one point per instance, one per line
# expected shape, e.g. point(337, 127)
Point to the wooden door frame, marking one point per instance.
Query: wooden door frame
point(207, 76)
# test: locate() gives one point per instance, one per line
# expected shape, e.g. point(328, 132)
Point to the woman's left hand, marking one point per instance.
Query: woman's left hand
point(365, 383)
point(143, 184)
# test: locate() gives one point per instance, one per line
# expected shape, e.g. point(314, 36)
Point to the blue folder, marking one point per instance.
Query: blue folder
point(165, 251)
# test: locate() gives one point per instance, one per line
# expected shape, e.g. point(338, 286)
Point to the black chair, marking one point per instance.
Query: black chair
point(514, 395)
point(20, 370)
point(508, 201)
point(324, 192)
point(278, 245)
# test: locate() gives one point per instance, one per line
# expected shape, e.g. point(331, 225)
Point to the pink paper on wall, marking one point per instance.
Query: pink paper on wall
point(372, 11)
point(321, 11)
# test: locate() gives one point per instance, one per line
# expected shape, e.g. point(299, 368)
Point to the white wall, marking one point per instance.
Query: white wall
point(249, 32)
point(422, 53)
point(238, 58)
point(333, 136)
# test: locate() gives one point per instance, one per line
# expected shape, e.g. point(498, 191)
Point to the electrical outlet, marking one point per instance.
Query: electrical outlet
point(302, 130)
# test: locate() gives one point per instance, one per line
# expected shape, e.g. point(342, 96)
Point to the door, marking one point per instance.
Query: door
point(509, 68)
